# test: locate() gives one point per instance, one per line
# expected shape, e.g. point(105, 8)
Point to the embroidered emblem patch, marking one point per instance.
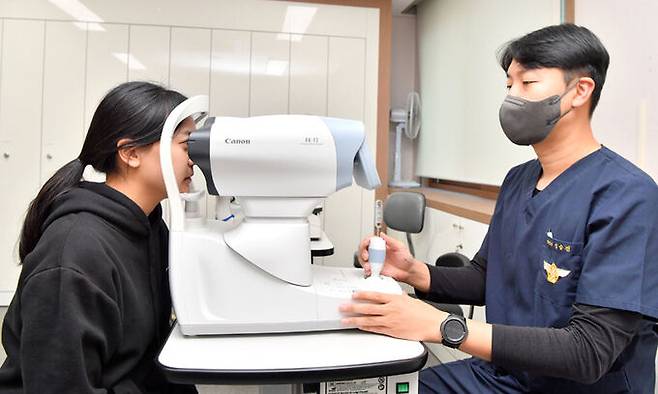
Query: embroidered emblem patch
point(553, 273)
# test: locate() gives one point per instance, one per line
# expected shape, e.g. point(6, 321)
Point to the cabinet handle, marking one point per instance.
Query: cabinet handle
point(6, 155)
point(457, 226)
point(49, 156)
point(459, 248)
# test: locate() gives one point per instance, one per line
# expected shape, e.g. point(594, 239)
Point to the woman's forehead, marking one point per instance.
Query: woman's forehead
point(186, 126)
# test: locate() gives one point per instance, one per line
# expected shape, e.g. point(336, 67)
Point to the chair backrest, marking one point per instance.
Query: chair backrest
point(452, 260)
point(405, 211)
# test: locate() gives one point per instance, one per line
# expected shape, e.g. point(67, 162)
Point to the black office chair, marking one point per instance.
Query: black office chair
point(455, 260)
point(405, 212)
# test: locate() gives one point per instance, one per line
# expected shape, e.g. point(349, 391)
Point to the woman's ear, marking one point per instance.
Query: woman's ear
point(584, 88)
point(129, 156)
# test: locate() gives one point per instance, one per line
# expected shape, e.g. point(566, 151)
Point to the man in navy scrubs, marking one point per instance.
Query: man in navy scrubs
point(568, 270)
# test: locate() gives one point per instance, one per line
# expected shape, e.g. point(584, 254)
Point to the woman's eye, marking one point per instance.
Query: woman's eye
point(528, 82)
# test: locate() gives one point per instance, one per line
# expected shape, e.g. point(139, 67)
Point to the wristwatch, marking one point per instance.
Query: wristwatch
point(454, 331)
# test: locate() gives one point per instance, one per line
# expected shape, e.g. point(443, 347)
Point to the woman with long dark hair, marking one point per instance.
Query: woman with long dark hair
point(92, 305)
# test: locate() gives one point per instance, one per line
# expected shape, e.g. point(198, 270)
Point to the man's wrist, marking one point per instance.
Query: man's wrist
point(419, 276)
point(434, 328)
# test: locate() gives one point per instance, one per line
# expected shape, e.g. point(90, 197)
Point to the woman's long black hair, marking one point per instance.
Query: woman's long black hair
point(133, 110)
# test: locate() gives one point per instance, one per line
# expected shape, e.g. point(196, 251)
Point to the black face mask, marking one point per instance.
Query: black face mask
point(528, 122)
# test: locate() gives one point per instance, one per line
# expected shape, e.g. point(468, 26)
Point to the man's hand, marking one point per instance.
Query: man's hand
point(394, 315)
point(399, 264)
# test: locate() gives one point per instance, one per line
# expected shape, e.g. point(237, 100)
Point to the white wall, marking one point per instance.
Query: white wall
point(252, 57)
point(626, 119)
point(462, 85)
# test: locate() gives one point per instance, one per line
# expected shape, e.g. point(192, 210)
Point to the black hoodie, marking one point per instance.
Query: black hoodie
point(92, 306)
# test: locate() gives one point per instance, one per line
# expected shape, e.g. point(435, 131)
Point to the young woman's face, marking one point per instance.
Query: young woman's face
point(151, 173)
point(180, 154)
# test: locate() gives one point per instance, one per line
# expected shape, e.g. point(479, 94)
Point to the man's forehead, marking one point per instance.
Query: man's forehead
point(517, 69)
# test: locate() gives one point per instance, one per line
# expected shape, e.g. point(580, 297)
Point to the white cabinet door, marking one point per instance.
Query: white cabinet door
point(190, 61)
point(21, 87)
point(229, 79)
point(346, 77)
point(447, 233)
point(63, 95)
point(446, 237)
point(472, 236)
point(440, 235)
point(464, 236)
point(107, 64)
point(308, 74)
point(343, 216)
point(149, 56)
point(270, 72)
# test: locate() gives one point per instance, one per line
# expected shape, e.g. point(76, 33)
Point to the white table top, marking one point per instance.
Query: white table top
point(290, 358)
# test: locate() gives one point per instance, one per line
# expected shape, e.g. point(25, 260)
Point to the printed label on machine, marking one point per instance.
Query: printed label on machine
point(359, 386)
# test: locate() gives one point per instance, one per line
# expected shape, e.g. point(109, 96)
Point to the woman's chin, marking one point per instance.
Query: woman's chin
point(184, 185)
point(184, 188)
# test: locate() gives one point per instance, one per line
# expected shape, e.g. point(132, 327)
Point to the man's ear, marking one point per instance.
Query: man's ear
point(584, 88)
point(129, 156)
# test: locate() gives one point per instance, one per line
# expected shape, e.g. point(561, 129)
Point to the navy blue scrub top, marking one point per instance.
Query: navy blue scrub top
point(590, 237)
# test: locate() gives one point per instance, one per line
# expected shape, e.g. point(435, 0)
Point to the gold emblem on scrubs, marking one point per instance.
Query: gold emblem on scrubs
point(553, 273)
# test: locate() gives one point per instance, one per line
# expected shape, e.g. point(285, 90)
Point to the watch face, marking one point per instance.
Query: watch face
point(453, 330)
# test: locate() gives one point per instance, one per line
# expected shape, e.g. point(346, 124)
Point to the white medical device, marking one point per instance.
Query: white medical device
point(255, 275)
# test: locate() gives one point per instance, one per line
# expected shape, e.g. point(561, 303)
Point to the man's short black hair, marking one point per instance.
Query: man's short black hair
point(573, 49)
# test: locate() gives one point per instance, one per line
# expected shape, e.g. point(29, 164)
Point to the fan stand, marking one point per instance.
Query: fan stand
point(397, 181)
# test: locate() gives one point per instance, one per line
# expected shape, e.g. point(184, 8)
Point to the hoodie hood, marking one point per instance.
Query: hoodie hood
point(107, 203)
